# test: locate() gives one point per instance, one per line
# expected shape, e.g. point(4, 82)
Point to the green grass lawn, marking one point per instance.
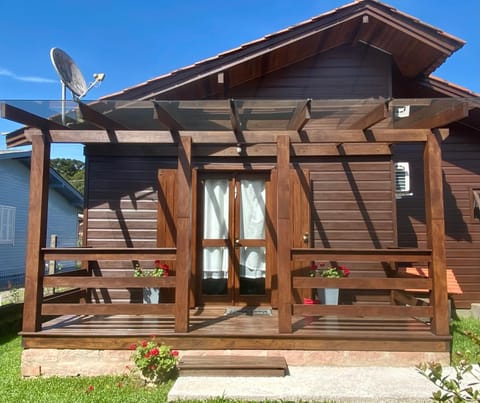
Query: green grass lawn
point(14, 389)
point(464, 344)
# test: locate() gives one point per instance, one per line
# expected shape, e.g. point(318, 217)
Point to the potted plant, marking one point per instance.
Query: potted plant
point(151, 295)
point(328, 296)
point(156, 362)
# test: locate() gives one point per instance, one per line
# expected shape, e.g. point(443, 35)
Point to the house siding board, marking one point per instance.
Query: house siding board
point(353, 207)
point(62, 220)
point(14, 176)
point(461, 172)
point(122, 212)
point(342, 73)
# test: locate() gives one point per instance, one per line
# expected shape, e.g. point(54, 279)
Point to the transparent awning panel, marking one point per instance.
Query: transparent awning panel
point(245, 115)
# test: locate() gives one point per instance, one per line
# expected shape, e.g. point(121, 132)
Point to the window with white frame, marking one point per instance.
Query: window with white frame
point(7, 224)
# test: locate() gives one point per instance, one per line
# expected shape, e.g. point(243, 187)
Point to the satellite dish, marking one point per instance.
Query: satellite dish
point(71, 77)
point(68, 72)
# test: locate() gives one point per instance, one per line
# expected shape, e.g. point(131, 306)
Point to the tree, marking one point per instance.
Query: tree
point(73, 171)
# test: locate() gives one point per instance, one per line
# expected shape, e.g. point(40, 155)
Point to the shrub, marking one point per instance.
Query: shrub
point(156, 362)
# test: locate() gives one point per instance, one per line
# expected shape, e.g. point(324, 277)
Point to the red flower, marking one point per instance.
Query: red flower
point(165, 266)
point(147, 354)
point(157, 263)
point(144, 343)
point(90, 389)
point(174, 353)
point(313, 266)
point(133, 346)
point(154, 351)
point(346, 272)
point(152, 366)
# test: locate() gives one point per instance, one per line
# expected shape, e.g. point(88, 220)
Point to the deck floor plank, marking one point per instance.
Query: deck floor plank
point(214, 330)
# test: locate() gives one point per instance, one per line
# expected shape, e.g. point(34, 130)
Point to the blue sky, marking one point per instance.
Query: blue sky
point(133, 41)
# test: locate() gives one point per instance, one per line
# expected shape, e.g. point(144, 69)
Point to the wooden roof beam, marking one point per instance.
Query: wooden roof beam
point(234, 118)
point(436, 115)
point(375, 115)
point(162, 115)
point(15, 114)
point(300, 116)
point(98, 119)
point(248, 137)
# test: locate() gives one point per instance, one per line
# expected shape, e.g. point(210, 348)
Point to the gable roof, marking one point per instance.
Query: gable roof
point(417, 49)
point(56, 181)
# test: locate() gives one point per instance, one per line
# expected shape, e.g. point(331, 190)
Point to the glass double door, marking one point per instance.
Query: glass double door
point(233, 238)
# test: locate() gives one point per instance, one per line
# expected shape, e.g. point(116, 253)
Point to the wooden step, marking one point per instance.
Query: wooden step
point(231, 365)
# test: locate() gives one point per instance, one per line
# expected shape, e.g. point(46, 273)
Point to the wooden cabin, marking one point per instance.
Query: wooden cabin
point(328, 141)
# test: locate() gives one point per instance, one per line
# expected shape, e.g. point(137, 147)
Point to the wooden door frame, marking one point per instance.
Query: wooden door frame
point(197, 228)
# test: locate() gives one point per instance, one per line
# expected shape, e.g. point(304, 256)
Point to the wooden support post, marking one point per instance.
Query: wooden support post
point(37, 232)
point(283, 236)
point(183, 215)
point(436, 233)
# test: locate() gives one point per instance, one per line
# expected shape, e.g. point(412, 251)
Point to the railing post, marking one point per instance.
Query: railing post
point(283, 236)
point(183, 215)
point(436, 233)
point(37, 232)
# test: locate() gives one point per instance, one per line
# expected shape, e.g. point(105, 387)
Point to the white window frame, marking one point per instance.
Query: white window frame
point(7, 225)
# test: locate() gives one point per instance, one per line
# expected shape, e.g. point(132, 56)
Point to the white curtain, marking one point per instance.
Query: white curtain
point(215, 224)
point(252, 226)
point(252, 262)
point(215, 260)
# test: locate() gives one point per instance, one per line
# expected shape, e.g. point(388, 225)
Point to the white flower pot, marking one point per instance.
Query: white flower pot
point(328, 296)
point(151, 295)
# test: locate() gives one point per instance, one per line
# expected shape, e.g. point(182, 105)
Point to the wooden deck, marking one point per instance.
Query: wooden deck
point(211, 329)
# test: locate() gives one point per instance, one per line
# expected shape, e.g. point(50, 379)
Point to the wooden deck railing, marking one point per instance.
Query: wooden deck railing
point(406, 255)
point(83, 279)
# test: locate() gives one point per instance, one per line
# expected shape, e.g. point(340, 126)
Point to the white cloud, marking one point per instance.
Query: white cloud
point(30, 79)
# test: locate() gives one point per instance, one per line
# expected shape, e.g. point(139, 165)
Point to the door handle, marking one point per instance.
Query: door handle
point(305, 237)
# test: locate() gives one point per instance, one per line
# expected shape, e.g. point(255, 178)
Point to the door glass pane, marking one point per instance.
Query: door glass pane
point(215, 271)
point(252, 209)
point(252, 270)
point(215, 222)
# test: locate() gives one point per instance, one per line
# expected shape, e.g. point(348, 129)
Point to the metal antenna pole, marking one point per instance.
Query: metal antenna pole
point(64, 96)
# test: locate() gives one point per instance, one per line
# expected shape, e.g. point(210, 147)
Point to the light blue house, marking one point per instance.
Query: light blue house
point(65, 203)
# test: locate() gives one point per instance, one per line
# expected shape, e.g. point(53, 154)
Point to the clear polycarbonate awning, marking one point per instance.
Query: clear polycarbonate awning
point(237, 115)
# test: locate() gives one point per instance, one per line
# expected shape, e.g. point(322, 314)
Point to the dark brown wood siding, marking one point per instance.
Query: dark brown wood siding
point(461, 173)
point(353, 206)
point(122, 211)
point(345, 72)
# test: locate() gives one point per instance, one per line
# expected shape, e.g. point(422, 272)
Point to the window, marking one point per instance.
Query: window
point(7, 224)
point(402, 179)
point(476, 203)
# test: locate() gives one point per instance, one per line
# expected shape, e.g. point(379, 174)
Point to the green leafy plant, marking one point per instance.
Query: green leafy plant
point(456, 387)
point(160, 270)
point(329, 272)
point(156, 362)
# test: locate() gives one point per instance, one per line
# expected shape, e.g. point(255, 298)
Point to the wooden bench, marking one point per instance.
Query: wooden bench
point(411, 297)
point(231, 365)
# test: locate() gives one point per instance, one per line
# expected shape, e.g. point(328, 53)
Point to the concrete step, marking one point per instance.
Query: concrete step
point(231, 365)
